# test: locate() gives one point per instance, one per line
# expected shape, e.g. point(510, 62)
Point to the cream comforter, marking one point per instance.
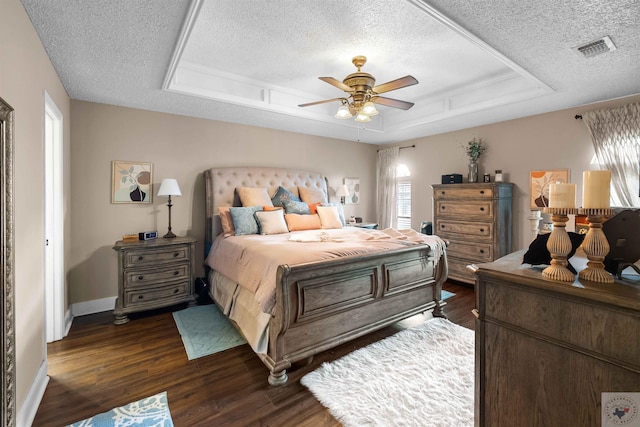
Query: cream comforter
point(252, 261)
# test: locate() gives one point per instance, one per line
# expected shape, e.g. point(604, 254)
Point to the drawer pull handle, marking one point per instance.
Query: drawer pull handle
point(177, 254)
point(476, 313)
point(481, 191)
point(482, 230)
point(442, 207)
point(442, 226)
point(175, 273)
point(443, 193)
point(140, 296)
point(481, 251)
point(140, 258)
point(140, 277)
point(481, 209)
point(175, 291)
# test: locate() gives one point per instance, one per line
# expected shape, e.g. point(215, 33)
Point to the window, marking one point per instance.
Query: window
point(403, 196)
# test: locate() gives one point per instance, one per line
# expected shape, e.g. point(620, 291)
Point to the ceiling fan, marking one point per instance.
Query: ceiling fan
point(363, 95)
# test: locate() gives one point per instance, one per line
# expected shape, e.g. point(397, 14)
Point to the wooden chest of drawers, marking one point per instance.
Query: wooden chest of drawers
point(547, 350)
point(476, 220)
point(153, 274)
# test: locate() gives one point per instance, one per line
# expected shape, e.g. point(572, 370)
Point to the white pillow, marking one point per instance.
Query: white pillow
point(312, 195)
point(329, 217)
point(254, 196)
point(272, 222)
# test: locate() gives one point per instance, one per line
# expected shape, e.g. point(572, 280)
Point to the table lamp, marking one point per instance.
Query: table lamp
point(168, 188)
point(342, 191)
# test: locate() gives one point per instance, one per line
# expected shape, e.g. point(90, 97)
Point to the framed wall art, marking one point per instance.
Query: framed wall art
point(131, 182)
point(353, 185)
point(539, 185)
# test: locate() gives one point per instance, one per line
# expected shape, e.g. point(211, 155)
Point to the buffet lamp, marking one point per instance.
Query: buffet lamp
point(168, 188)
point(342, 191)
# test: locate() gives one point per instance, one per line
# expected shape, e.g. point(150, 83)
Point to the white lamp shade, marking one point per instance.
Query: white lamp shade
point(342, 191)
point(362, 118)
point(343, 112)
point(169, 187)
point(369, 109)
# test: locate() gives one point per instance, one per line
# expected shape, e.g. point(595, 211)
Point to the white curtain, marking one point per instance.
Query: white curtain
point(387, 181)
point(616, 137)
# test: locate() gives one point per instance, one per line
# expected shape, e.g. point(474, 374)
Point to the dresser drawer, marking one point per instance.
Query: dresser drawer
point(155, 256)
point(475, 252)
point(151, 295)
point(145, 277)
point(458, 270)
point(452, 229)
point(463, 193)
point(477, 209)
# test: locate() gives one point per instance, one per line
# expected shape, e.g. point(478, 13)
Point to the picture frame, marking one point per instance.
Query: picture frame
point(131, 182)
point(539, 181)
point(353, 185)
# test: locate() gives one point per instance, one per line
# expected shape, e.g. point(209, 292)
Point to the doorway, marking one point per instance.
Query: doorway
point(54, 221)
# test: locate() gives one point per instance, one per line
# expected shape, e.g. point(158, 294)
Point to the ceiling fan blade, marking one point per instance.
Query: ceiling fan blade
point(395, 84)
point(320, 102)
point(395, 103)
point(337, 83)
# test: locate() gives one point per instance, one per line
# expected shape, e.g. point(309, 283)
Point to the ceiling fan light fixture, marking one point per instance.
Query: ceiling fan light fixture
point(343, 113)
point(362, 118)
point(369, 109)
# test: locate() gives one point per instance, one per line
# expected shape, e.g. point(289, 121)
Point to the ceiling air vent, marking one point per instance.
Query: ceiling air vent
point(596, 47)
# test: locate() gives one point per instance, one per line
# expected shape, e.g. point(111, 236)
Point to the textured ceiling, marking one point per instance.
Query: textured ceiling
point(253, 62)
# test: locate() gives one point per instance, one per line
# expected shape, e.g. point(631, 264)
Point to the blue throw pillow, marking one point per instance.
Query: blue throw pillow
point(340, 211)
point(283, 194)
point(244, 220)
point(296, 207)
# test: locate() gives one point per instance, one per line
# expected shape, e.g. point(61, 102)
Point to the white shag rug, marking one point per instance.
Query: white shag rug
point(422, 376)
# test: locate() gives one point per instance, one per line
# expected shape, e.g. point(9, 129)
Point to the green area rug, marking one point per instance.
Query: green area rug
point(205, 330)
point(150, 412)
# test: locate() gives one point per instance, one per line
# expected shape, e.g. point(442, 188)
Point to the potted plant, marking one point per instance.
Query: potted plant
point(474, 150)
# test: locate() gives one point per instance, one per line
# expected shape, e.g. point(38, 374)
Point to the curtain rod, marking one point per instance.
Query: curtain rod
point(578, 117)
point(402, 148)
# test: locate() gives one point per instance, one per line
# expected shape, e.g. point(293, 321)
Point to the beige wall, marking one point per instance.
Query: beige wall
point(25, 73)
point(182, 148)
point(546, 141)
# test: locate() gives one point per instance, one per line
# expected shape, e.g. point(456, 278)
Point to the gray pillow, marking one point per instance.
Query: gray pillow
point(296, 207)
point(244, 220)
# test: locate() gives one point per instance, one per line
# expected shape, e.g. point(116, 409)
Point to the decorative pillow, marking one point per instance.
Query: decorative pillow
point(312, 195)
point(296, 207)
point(254, 196)
point(226, 221)
point(244, 220)
point(272, 222)
point(313, 207)
point(297, 222)
point(340, 211)
point(539, 254)
point(283, 194)
point(329, 217)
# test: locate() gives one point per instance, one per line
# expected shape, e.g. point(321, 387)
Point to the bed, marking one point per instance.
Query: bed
point(319, 304)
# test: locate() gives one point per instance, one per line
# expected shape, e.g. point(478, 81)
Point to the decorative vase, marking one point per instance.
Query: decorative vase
point(473, 171)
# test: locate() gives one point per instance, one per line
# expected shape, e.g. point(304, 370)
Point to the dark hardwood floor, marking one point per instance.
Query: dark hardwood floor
point(99, 366)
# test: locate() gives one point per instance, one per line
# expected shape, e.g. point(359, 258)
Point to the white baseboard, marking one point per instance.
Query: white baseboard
point(68, 320)
point(27, 413)
point(94, 306)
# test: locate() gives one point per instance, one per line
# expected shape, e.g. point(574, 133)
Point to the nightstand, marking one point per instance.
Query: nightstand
point(371, 225)
point(153, 274)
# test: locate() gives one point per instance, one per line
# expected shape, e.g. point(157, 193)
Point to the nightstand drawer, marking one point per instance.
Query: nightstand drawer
point(138, 278)
point(153, 295)
point(475, 252)
point(156, 256)
point(477, 209)
point(448, 228)
point(463, 193)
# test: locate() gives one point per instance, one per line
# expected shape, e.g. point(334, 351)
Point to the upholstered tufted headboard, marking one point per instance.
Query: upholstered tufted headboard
point(220, 185)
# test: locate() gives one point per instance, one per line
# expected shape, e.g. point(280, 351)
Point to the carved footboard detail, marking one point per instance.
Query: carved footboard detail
point(321, 305)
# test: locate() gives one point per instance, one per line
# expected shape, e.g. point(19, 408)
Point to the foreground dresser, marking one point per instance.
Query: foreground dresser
point(476, 220)
point(546, 350)
point(154, 273)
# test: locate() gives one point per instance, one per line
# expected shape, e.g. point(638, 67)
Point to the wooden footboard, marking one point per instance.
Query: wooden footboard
point(321, 305)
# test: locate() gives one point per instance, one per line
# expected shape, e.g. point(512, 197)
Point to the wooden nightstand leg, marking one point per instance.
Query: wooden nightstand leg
point(121, 319)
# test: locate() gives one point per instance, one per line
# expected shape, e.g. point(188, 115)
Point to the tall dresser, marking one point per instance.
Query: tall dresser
point(547, 350)
point(476, 220)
